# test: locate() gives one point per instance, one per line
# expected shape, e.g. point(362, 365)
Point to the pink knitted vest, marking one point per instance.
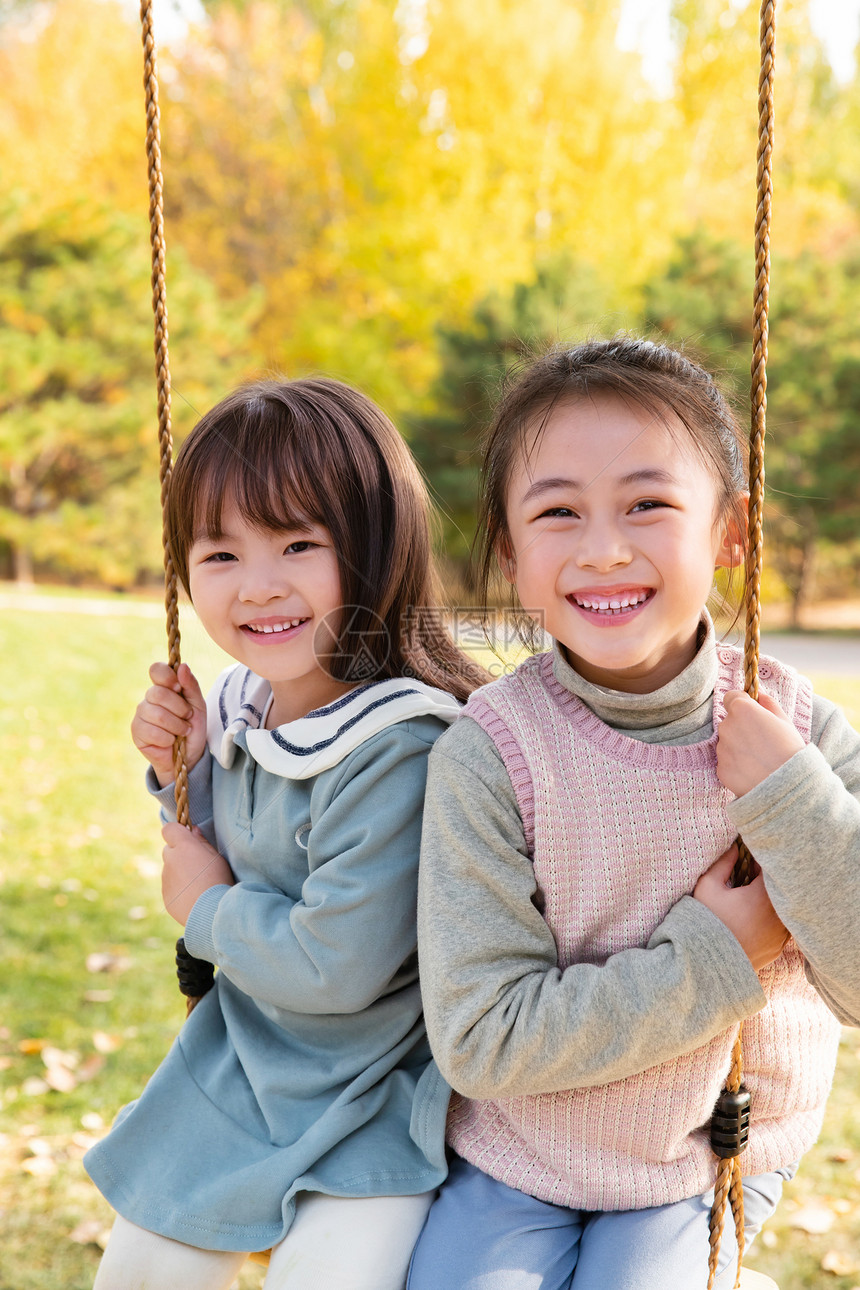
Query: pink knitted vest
point(619, 831)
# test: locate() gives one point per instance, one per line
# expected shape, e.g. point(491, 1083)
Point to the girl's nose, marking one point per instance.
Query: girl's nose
point(262, 583)
point(601, 547)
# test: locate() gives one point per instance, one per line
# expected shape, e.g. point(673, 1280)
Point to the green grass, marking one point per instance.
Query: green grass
point(79, 874)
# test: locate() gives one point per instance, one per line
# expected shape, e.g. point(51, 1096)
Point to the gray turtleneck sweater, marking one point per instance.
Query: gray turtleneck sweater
point(693, 979)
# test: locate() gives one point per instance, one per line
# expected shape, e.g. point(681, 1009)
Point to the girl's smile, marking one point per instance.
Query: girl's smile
point(610, 605)
point(271, 598)
point(613, 540)
point(274, 627)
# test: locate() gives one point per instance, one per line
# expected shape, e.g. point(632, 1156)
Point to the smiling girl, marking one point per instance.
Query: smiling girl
point(584, 963)
point(295, 1109)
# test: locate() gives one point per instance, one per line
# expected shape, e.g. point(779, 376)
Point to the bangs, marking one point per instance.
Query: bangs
point(281, 500)
point(277, 477)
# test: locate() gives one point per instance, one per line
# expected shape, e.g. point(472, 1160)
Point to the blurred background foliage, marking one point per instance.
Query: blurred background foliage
point(408, 196)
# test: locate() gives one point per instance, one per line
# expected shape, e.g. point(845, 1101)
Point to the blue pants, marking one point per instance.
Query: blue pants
point(482, 1235)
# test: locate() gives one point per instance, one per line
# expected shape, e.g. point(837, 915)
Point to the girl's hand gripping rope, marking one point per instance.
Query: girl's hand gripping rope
point(746, 911)
point(191, 866)
point(754, 739)
point(172, 706)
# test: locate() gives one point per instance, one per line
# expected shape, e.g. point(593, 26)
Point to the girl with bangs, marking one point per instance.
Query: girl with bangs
point(298, 1109)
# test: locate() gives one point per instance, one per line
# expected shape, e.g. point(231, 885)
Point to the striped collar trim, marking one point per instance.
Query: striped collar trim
point(301, 749)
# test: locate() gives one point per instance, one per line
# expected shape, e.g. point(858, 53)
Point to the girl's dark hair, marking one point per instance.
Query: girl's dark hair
point(645, 374)
point(315, 451)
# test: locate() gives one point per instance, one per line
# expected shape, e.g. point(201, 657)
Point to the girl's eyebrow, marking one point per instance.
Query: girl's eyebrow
point(202, 536)
point(650, 475)
point(540, 486)
point(295, 526)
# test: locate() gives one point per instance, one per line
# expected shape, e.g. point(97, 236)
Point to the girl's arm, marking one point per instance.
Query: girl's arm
point(503, 1019)
point(340, 946)
point(802, 824)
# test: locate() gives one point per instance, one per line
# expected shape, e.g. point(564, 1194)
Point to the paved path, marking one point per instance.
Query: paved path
point(825, 655)
point(98, 606)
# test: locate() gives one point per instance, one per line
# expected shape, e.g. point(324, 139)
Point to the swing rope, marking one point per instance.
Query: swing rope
point(729, 1186)
point(194, 980)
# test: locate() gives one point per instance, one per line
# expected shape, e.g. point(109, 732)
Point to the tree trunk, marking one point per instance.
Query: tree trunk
point(22, 565)
point(805, 588)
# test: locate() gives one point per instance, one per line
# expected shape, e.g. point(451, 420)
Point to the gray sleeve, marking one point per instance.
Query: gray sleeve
point(802, 824)
point(504, 1020)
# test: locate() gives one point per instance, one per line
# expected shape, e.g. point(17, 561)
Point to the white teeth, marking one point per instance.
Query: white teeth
point(269, 629)
point(599, 605)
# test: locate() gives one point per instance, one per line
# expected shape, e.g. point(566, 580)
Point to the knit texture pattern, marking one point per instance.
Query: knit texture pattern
point(619, 830)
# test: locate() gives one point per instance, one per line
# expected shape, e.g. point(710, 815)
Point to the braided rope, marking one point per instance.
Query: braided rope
point(729, 1185)
point(728, 1188)
point(195, 977)
point(162, 370)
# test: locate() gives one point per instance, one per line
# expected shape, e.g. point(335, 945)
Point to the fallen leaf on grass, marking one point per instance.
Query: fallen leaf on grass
point(34, 1087)
point(67, 1058)
point(83, 1140)
point(146, 867)
point(39, 1147)
point(98, 996)
point(40, 1166)
point(814, 1220)
point(31, 1046)
point(89, 1068)
point(105, 1043)
point(61, 1068)
point(839, 1264)
point(91, 1231)
point(102, 961)
point(92, 1120)
point(60, 1079)
point(842, 1156)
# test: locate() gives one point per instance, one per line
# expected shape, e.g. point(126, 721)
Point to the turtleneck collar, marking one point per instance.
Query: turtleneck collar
point(679, 712)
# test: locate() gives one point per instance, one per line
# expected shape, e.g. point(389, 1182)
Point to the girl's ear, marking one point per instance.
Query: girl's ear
point(730, 553)
point(506, 560)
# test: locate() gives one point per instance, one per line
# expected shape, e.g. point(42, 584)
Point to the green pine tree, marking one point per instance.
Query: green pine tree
point(79, 493)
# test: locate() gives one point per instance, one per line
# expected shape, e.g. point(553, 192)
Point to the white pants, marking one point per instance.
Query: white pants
point(335, 1243)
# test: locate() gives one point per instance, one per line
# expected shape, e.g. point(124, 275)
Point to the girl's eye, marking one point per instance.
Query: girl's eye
point(649, 505)
point(219, 557)
point(296, 548)
point(557, 512)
